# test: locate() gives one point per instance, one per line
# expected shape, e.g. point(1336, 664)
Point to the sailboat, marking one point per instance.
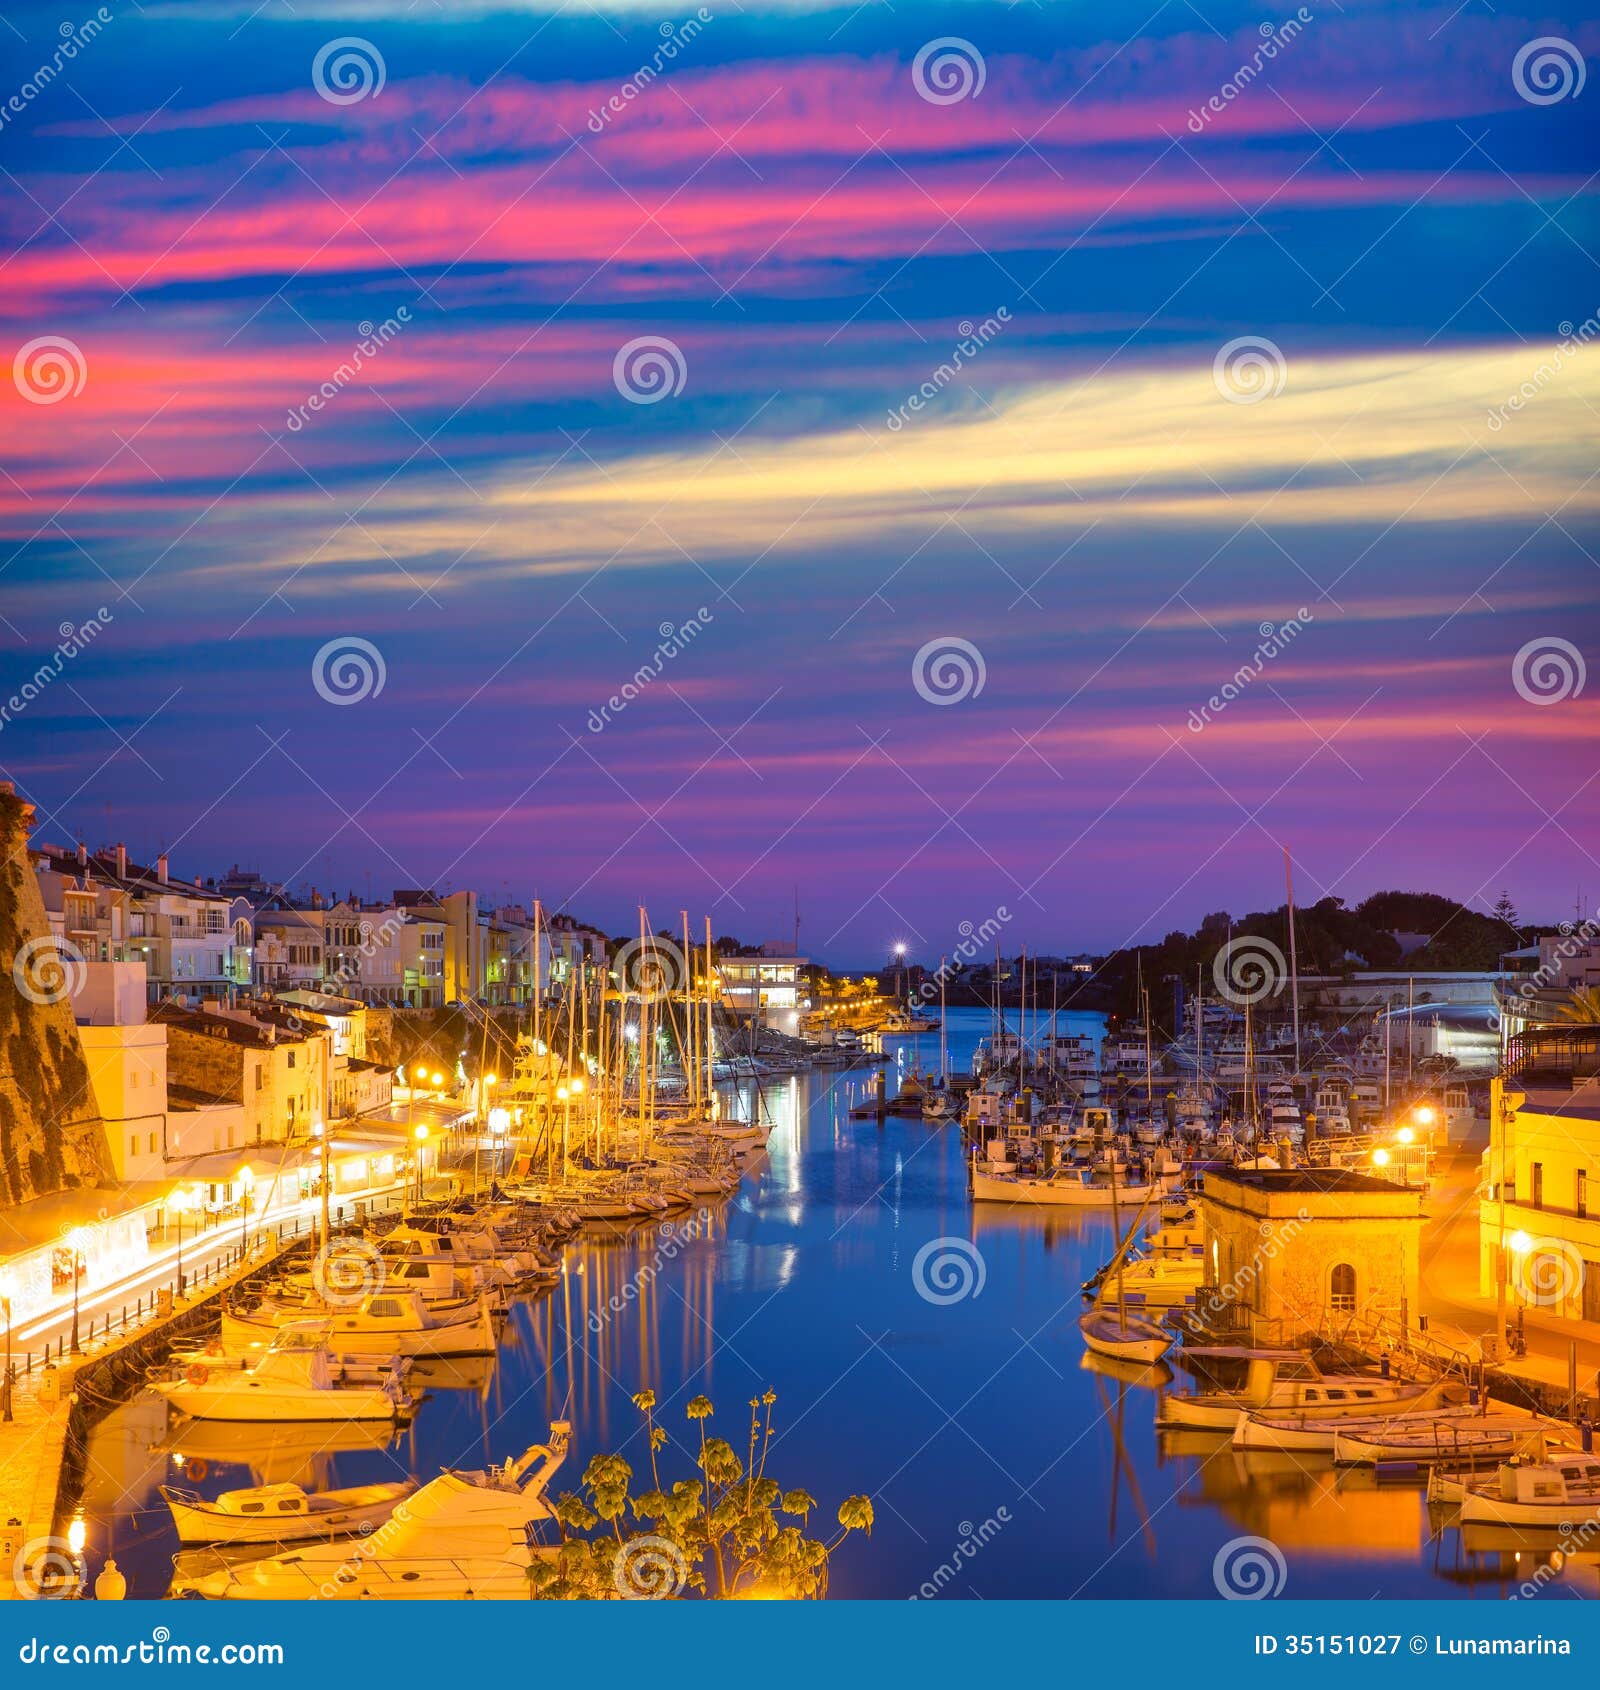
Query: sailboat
point(1113, 1332)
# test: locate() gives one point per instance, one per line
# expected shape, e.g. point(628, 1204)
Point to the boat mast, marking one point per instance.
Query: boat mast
point(686, 1049)
point(711, 1072)
point(944, 1044)
point(1294, 967)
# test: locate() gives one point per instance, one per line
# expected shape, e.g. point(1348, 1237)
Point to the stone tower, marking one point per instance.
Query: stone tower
point(51, 1135)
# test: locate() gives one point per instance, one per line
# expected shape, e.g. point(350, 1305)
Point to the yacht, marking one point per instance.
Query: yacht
point(388, 1322)
point(1078, 1188)
point(293, 1380)
point(464, 1535)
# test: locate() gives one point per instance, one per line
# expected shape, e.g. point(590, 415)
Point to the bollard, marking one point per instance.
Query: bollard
point(1586, 1434)
point(1385, 1372)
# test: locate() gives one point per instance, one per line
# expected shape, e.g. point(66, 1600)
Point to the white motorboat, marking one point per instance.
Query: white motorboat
point(346, 1370)
point(385, 1323)
point(1561, 1492)
point(463, 1535)
point(293, 1381)
point(282, 1513)
point(1279, 1381)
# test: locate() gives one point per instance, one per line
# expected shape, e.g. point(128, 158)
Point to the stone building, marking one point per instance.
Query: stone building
point(1304, 1250)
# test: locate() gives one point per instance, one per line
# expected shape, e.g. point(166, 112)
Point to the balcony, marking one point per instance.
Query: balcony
point(1554, 1056)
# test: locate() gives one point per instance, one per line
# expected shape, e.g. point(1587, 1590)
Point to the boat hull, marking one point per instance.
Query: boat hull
point(204, 1523)
point(1062, 1193)
point(1133, 1340)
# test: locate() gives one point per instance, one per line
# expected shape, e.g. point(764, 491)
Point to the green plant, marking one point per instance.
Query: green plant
point(727, 1534)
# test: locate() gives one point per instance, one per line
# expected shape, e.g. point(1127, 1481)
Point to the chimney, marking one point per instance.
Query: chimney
point(83, 854)
point(121, 852)
point(161, 868)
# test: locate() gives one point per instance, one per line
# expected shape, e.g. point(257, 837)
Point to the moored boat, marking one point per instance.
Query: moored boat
point(293, 1381)
point(282, 1513)
point(463, 1535)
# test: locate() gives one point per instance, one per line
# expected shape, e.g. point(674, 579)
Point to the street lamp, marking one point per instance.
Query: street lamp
point(422, 1141)
point(499, 1126)
point(5, 1308)
point(1380, 1158)
point(1404, 1139)
point(247, 1181)
point(76, 1239)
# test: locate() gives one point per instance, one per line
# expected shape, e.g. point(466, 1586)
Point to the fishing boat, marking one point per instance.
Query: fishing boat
point(1316, 1431)
point(282, 1513)
point(1111, 1330)
point(293, 1381)
point(1561, 1491)
point(384, 1323)
point(1077, 1188)
point(465, 1534)
point(1448, 1439)
point(1279, 1381)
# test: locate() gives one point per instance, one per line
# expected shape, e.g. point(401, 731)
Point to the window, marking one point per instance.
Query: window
point(133, 1145)
point(291, 1059)
point(1342, 1289)
point(1536, 1184)
point(152, 1144)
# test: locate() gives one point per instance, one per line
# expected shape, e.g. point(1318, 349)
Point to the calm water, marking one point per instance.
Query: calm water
point(973, 1420)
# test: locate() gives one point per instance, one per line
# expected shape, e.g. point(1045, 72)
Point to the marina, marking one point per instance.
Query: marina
point(959, 1380)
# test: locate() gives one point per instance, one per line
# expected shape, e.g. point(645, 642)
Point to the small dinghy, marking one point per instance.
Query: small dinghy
point(1109, 1329)
point(1123, 1337)
point(269, 1514)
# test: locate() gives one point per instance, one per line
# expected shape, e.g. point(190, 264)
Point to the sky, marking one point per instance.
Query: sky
point(1011, 468)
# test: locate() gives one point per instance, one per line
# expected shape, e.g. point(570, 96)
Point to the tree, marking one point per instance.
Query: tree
point(1506, 911)
point(720, 1534)
point(1582, 1007)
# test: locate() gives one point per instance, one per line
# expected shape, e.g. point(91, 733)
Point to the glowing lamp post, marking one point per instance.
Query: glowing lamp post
point(1380, 1159)
point(247, 1181)
point(499, 1126)
point(422, 1148)
point(76, 1239)
point(1404, 1139)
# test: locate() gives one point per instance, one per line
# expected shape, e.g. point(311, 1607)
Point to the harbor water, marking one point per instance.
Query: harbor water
point(922, 1352)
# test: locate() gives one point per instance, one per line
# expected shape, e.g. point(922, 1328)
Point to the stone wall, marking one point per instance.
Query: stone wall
point(51, 1135)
